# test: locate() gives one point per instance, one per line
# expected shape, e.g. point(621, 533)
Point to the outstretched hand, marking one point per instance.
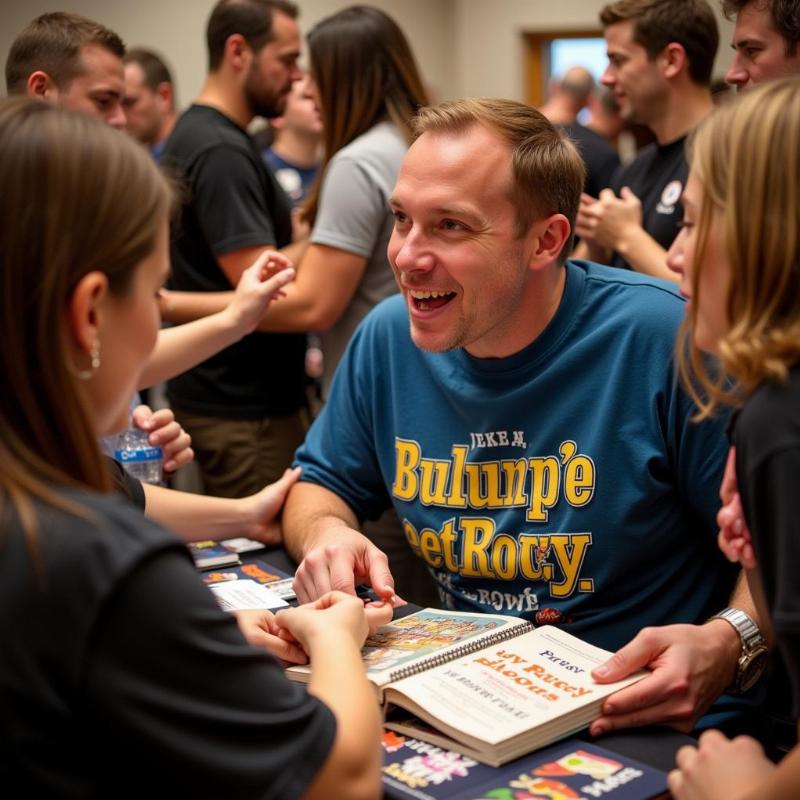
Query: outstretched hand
point(258, 286)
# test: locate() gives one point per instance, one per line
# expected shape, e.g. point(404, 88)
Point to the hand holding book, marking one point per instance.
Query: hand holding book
point(697, 657)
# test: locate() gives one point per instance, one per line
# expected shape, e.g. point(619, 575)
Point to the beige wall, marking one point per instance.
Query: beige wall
point(489, 56)
point(464, 47)
point(175, 28)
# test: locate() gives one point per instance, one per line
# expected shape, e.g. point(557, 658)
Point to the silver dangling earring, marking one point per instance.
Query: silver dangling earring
point(94, 354)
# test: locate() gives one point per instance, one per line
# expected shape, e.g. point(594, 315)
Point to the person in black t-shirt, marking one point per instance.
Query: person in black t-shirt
point(118, 671)
point(245, 406)
point(661, 53)
point(567, 97)
point(738, 258)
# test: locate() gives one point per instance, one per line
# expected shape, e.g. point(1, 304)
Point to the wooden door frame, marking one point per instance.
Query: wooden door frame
point(536, 66)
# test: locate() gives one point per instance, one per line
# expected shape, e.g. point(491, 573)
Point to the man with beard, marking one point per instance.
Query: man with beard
point(245, 423)
point(660, 54)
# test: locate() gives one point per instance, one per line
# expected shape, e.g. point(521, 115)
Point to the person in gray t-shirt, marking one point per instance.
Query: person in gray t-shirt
point(367, 87)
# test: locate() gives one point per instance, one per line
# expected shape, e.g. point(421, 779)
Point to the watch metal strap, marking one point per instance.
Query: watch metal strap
point(744, 625)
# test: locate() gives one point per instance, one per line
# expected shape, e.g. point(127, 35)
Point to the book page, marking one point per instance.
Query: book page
point(426, 633)
point(509, 688)
point(245, 594)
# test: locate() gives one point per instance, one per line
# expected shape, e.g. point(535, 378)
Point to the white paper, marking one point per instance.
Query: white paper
point(244, 594)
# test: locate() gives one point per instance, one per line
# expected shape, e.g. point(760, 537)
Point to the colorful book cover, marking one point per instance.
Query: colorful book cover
point(210, 554)
point(569, 770)
point(260, 572)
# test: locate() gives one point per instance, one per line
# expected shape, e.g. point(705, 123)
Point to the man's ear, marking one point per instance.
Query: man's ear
point(549, 237)
point(41, 86)
point(86, 310)
point(672, 60)
point(238, 52)
point(166, 96)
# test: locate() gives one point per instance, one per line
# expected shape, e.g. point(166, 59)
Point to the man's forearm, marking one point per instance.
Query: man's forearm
point(311, 512)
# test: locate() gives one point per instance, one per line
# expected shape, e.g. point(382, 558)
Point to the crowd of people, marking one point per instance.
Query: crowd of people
point(560, 388)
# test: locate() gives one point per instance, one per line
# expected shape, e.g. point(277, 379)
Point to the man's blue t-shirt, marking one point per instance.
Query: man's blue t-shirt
point(565, 484)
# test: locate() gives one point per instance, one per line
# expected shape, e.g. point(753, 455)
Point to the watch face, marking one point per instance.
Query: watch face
point(751, 668)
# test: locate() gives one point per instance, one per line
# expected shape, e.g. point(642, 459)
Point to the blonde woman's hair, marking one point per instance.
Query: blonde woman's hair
point(747, 159)
point(75, 196)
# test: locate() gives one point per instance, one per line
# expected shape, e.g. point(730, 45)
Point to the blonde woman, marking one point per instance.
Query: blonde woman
point(738, 258)
point(117, 669)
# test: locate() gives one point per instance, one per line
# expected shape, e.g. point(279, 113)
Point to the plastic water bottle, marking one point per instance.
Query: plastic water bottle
point(138, 456)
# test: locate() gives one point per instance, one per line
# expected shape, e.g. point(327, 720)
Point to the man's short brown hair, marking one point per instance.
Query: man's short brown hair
point(548, 173)
point(657, 23)
point(784, 15)
point(250, 18)
point(52, 43)
point(154, 69)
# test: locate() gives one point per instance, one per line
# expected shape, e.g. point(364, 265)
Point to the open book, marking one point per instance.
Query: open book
point(490, 686)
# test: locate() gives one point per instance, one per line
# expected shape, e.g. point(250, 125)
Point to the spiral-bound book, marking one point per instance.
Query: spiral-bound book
point(491, 687)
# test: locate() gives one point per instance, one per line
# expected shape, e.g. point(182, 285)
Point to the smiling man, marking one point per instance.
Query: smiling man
point(521, 414)
point(71, 61)
point(766, 40)
point(660, 57)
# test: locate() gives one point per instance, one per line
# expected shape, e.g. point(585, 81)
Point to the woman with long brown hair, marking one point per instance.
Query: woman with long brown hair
point(118, 671)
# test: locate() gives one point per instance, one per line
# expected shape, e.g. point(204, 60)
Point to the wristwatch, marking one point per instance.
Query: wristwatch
point(753, 659)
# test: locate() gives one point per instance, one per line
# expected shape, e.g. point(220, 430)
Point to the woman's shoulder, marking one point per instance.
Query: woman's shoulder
point(770, 418)
point(87, 533)
point(381, 142)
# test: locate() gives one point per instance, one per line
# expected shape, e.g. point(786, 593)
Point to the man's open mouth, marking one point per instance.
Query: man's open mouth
point(430, 301)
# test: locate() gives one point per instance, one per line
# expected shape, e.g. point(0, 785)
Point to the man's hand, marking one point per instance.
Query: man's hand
point(344, 559)
point(691, 666)
point(609, 222)
point(164, 432)
point(261, 510)
point(720, 769)
point(584, 228)
point(258, 286)
point(734, 537)
point(261, 630)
